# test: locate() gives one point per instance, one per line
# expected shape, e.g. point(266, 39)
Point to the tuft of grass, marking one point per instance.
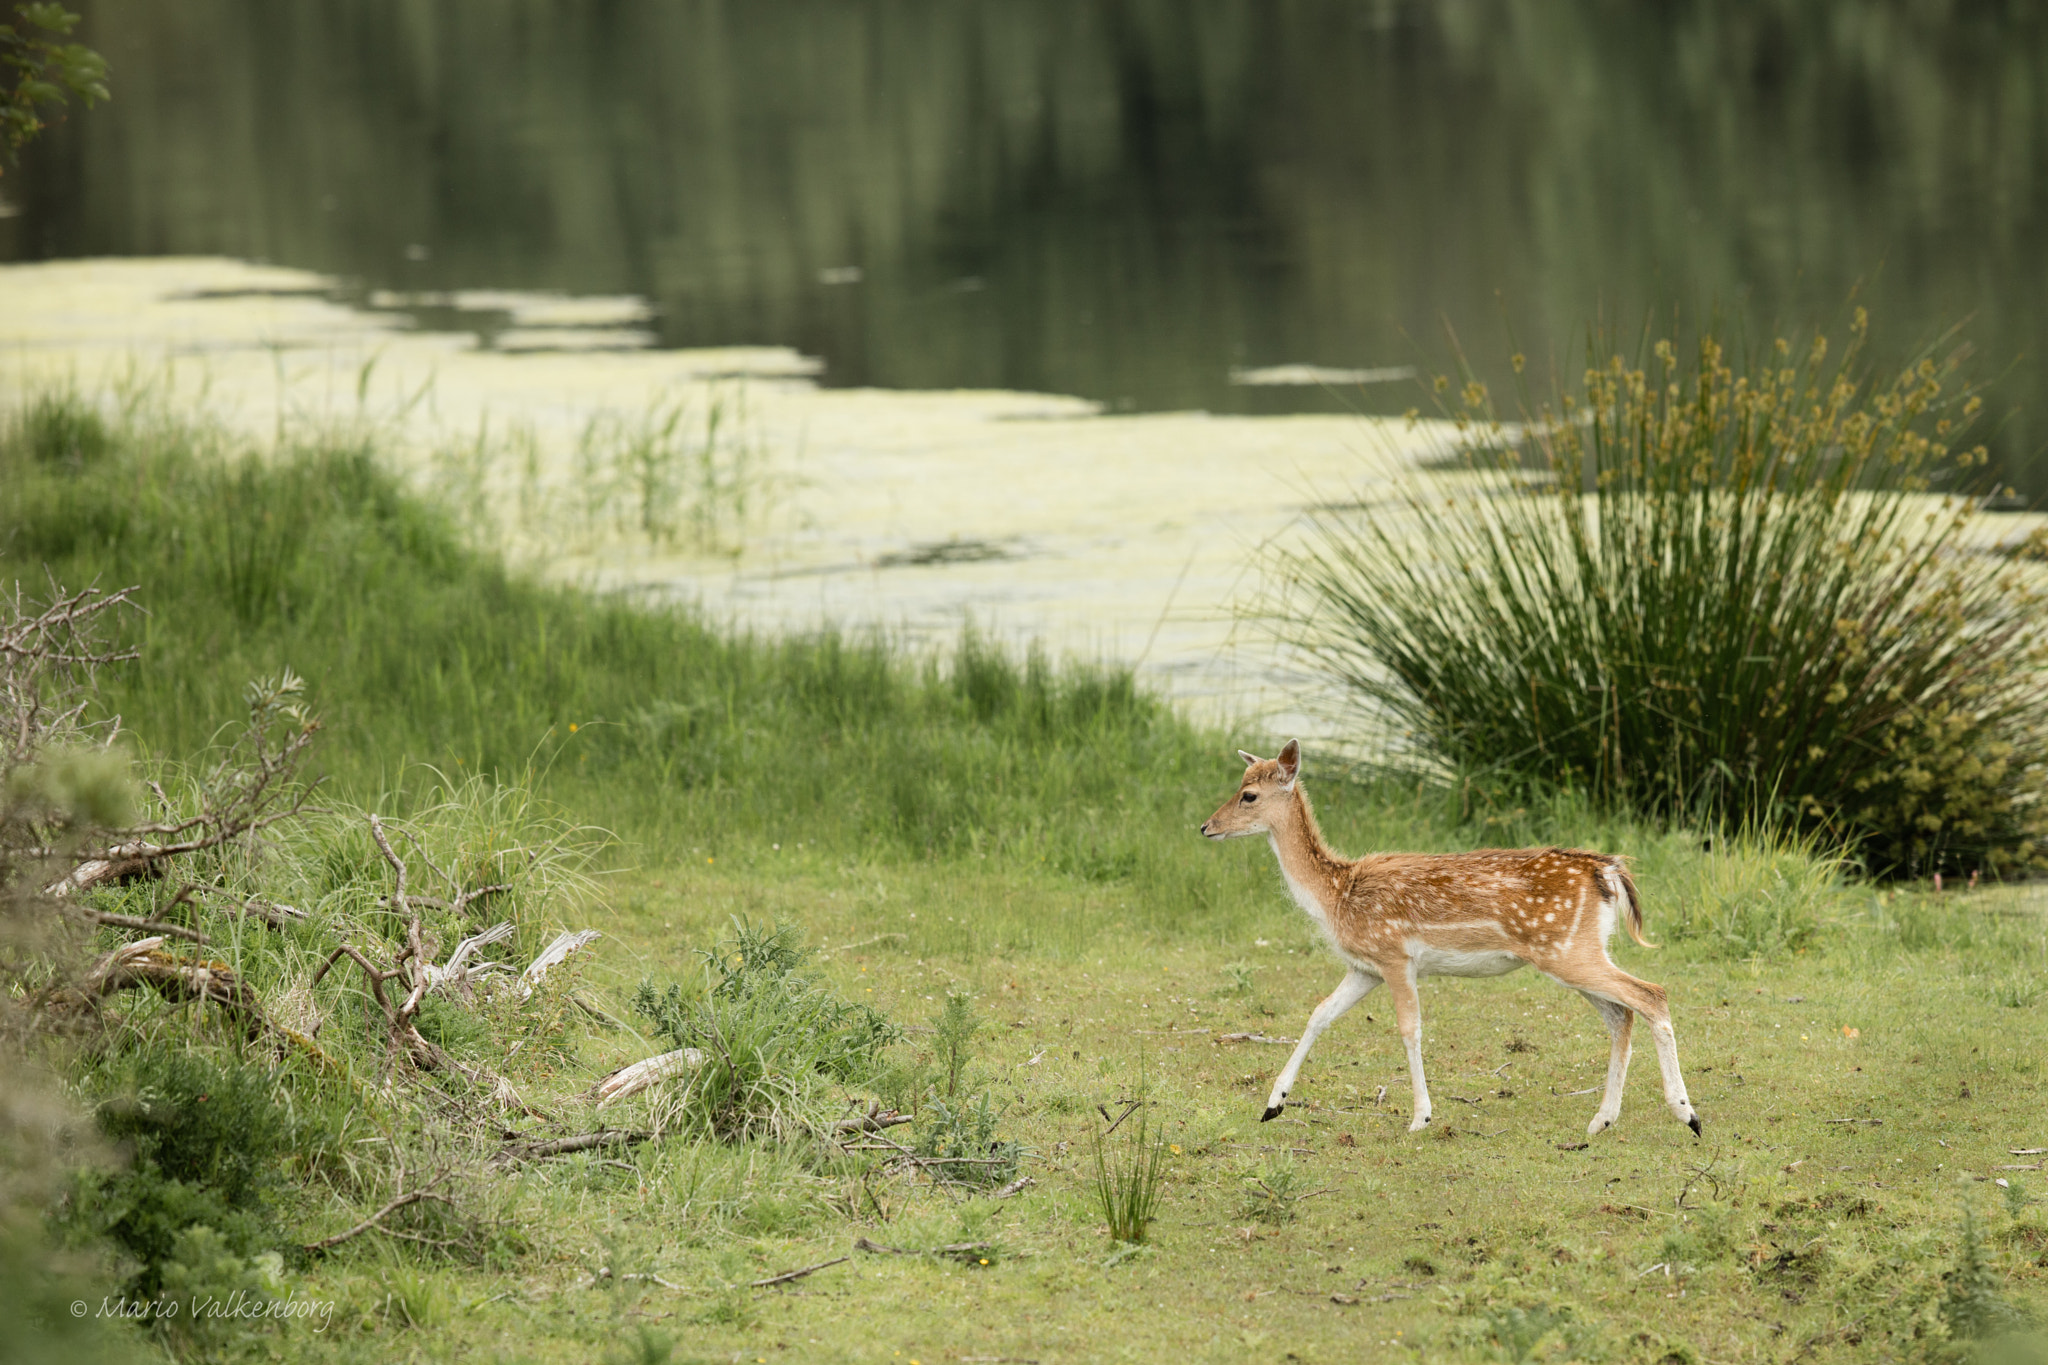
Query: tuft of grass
point(1272, 1192)
point(1726, 590)
point(1129, 1179)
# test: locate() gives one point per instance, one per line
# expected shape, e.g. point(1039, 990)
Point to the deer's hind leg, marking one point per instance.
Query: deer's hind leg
point(1620, 1021)
point(1611, 984)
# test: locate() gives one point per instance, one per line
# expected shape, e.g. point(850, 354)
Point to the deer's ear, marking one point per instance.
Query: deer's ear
point(1290, 764)
point(1249, 759)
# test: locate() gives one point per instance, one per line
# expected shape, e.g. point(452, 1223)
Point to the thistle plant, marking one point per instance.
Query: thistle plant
point(1707, 590)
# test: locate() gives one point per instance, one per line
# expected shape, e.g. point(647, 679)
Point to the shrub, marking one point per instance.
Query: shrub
point(206, 1140)
point(1741, 593)
point(772, 1037)
point(954, 1027)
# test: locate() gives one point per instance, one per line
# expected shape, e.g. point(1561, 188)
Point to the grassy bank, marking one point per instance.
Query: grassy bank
point(1019, 832)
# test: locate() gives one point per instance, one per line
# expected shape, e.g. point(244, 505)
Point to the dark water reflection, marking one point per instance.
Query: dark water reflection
point(1120, 200)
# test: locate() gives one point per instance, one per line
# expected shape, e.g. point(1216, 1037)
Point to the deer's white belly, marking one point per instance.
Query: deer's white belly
point(1458, 962)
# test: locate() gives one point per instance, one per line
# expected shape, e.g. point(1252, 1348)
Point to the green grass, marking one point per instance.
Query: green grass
point(650, 720)
point(1020, 835)
point(1795, 1231)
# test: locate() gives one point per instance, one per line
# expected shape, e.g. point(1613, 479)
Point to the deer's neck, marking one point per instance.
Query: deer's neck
point(1314, 874)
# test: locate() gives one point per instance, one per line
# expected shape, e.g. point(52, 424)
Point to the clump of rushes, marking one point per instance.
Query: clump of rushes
point(1713, 590)
point(1128, 1182)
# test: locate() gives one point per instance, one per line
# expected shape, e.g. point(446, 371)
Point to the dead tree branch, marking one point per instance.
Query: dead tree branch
point(253, 786)
point(786, 1276)
point(582, 1142)
point(376, 1220)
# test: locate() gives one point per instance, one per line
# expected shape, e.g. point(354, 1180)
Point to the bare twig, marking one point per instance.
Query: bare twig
point(409, 1197)
point(252, 787)
point(1133, 1108)
point(147, 926)
point(786, 1276)
point(272, 913)
point(1250, 1038)
point(866, 942)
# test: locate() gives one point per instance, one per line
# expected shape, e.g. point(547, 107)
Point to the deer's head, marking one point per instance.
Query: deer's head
point(1268, 784)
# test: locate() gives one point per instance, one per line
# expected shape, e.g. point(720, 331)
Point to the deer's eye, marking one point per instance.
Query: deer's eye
point(1249, 797)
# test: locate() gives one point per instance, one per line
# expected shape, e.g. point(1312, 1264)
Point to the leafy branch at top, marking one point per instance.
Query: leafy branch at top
point(38, 70)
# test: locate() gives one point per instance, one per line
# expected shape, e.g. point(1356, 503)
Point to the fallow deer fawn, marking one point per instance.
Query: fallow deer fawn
point(1398, 916)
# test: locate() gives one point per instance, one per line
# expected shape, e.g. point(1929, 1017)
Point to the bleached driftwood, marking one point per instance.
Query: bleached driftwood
point(458, 972)
point(566, 942)
point(631, 1080)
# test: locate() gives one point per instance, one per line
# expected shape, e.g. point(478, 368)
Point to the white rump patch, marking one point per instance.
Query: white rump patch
point(1610, 904)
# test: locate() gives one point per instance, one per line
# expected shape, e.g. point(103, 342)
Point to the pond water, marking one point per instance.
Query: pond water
point(1140, 202)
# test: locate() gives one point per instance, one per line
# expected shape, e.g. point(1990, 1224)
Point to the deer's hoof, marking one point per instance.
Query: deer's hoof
point(1419, 1124)
point(1694, 1124)
point(1598, 1126)
point(1272, 1112)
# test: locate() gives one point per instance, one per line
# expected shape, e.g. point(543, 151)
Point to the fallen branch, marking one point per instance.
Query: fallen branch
point(786, 1276)
point(631, 1080)
point(1017, 1186)
point(251, 788)
point(956, 1250)
point(145, 963)
point(582, 1142)
point(375, 1220)
point(872, 1122)
point(1251, 1038)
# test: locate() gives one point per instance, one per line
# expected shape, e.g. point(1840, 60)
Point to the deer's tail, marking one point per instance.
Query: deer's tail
point(1634, 918)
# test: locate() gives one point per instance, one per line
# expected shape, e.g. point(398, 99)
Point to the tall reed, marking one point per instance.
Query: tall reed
point(1711, 590)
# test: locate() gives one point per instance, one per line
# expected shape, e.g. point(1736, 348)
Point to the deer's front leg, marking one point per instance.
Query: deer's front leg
point(1408, 1014)
point(1355, 986)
